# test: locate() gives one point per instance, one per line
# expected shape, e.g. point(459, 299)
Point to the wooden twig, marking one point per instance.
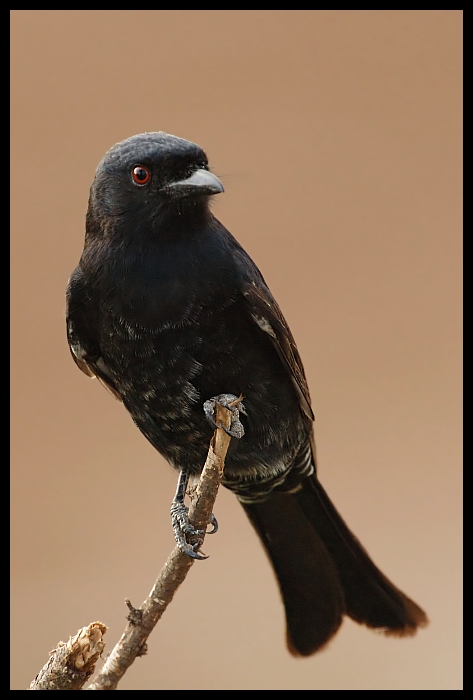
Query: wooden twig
point(141, 621)
point(72, 663)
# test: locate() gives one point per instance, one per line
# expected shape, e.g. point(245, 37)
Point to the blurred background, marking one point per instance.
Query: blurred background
point(337, 134)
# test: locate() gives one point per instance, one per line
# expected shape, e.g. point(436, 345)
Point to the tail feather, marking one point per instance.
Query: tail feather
point(309, 584)
point(324, 572)
point(371, 599)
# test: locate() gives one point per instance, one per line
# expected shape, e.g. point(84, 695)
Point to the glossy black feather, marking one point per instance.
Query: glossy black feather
point(168, 310)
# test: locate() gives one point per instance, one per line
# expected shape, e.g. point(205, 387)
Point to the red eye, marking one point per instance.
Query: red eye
point(141, 175)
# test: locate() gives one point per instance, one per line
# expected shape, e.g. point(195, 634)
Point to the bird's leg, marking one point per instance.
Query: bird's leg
point(234, 405)
point(179, 511)
point(180, 519)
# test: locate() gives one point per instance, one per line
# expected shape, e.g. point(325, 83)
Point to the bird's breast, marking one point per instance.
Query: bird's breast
point(174, 336)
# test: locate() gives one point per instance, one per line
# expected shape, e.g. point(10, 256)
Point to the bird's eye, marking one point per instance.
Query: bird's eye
point(141, 175)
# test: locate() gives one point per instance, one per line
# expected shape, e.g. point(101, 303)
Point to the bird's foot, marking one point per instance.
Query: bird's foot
point(182, 527)
point(234, 405)
point(180, 521)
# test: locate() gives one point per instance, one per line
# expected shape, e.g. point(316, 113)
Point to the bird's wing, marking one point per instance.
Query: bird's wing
point(268, 316)
point(82, 339)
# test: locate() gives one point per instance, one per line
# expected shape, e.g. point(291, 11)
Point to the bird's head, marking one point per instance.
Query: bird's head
point(152, 175)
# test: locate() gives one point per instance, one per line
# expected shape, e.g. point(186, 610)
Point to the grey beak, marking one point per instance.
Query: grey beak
point(201, 182)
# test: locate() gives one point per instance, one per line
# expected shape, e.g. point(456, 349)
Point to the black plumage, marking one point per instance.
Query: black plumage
point(167, 310)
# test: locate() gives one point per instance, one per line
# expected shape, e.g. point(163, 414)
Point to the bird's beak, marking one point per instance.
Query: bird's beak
point(201, 182)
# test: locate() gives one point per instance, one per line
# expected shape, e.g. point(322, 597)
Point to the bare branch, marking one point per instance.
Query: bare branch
point(72, 663)
point(142, 620)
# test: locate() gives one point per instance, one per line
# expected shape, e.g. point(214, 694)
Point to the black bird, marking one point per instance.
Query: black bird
point(168, 311)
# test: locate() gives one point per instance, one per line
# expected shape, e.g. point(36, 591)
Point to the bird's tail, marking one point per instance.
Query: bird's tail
point(324, 572)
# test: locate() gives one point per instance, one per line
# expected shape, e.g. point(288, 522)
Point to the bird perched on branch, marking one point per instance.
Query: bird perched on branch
point(169, 312)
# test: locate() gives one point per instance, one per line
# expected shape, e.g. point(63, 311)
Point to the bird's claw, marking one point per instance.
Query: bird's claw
point(214, 523)
point(181, 527)
point(234, 405)
point(190, 551)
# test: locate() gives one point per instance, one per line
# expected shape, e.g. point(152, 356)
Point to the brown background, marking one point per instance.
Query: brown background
point(338, 136)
